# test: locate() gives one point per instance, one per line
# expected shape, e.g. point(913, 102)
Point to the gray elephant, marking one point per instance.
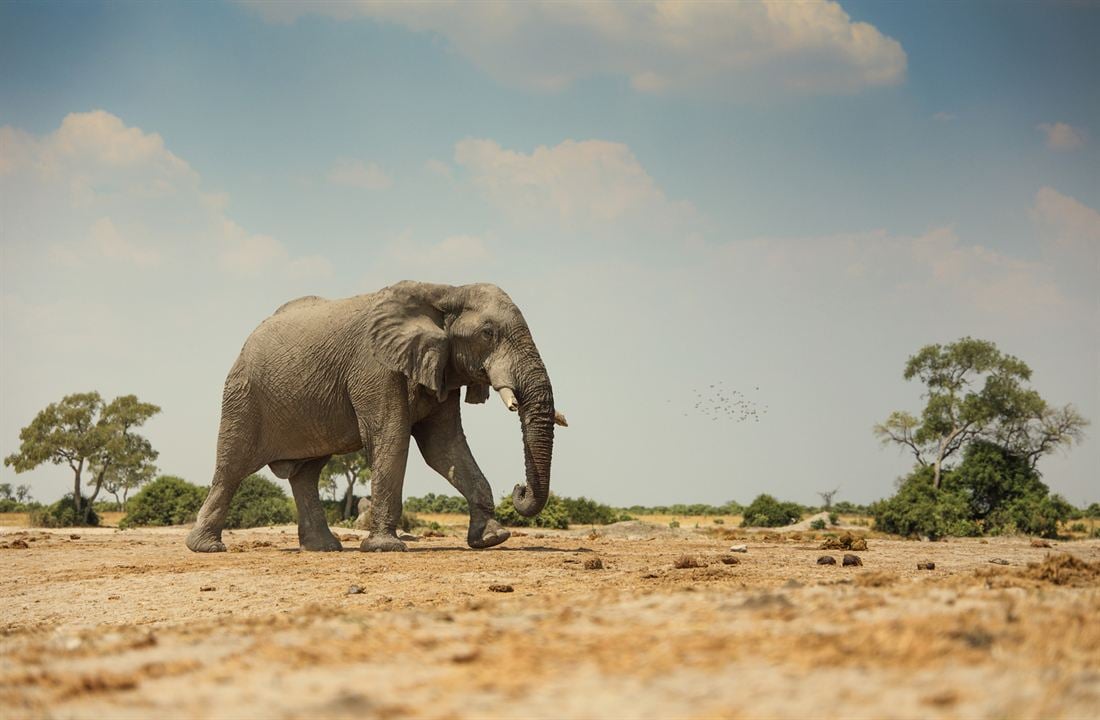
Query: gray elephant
point(324, 377)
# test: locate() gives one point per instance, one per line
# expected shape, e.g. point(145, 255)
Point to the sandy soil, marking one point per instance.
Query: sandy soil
point(103, 623)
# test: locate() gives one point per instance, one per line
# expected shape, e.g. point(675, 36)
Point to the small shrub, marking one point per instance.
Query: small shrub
point(1078, 527)
point(719, 521)
point(834, 519)
point(63, 513)
point(674, 524)
point(259, 502)
point(441, 504)
point(168, 500)
point(766, 511)
point(553, 514)
point(583, 511)
point(817, 524)
point(623, 517)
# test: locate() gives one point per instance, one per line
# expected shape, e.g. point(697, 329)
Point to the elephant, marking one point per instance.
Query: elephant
point(324, 377)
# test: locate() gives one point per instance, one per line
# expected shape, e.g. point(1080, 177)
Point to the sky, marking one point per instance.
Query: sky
point(783, 200)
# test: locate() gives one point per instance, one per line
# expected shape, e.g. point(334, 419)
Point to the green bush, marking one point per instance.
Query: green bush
point(553, 515)
point(674, 524)
point(1030, 515)
point(1078, 527)
point(432, 503)
point(63, 514)
point(766, 511)
point(259, 502)
point(168, 500)
point(919, 509)
point(11, 505)
point(834, 519)
point(817, 524)
point(583, 511)
point(849, 508)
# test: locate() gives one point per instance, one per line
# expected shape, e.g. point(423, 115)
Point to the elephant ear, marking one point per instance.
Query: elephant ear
point(477, 393)
point(405, 332)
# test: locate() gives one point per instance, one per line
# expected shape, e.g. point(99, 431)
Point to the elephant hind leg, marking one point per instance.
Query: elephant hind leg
point(313, 530)
point(206, 536)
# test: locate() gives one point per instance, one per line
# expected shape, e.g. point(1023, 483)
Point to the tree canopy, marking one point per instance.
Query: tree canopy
point(84, 432)
point(973, 391)
point(351, 468)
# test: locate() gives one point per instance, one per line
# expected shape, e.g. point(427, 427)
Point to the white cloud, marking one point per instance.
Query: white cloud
point(451, 251)
point(1068, 227)
point(98, 191)
point(591, 182)
point(731, 49)
point(357, 174)
point(928, 270)
point(439, 168)
point(1061, 136)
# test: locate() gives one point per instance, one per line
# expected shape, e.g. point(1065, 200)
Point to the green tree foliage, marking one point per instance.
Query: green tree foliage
point(993, 490)
point(84, 432)
point(1093, 511)
point(65, 513)
point(259, 502)
point(15, 500)
point(168, 500)
point(583, 511)
point(730, 508)
point(918, 508)
point(766, 511)
point(432, 503)
point(554, 514)
point(973, 391)
point(350, 469)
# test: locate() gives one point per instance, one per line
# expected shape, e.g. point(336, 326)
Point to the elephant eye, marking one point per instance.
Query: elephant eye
point(487, 333)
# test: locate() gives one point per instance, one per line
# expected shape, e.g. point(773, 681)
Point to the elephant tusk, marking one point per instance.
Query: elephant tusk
point(509, 398)
point(559, 419)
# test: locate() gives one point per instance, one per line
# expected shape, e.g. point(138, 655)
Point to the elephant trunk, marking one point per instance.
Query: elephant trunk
point(536, 415)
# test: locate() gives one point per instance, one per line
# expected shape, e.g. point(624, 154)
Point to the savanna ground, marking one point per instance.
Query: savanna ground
point(105, 623)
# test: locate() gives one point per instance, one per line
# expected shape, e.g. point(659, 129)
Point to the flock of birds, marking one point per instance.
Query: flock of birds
point(721, 403)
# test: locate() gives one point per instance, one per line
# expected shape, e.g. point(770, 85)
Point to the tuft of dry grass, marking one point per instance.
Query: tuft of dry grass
point(685, 562)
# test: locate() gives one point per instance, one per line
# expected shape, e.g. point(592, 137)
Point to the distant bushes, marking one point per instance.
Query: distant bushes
point(766, 511)
point(260, 502)
point(992, 491)
point(553, 515)
point(168, 500)
point(583, 511)
point(63, 513)
point(432, 503)
point(730, 508)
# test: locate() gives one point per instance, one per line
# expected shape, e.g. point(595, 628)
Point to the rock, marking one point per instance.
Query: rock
point(926, 566)
point(593, 564)
point(77, 537)
point(826, 560)
point(999, 561)
point(207, 588)
point(354, 589)
point(852, 560)
point(19, 545)
point(685, 562)
point(739, 548)
point(729, 560)
point(501, 588)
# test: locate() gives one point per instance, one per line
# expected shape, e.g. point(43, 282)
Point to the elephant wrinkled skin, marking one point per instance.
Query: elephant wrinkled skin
point(325, 377)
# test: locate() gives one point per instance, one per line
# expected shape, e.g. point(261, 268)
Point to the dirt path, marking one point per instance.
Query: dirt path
point(130, 624)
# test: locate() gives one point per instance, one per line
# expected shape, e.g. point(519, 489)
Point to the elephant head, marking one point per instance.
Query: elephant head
point(445, 337)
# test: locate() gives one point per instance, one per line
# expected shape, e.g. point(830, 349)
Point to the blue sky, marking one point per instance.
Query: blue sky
point(785, 197)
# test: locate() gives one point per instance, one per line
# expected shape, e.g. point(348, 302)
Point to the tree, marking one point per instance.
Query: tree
point(827, 498)
point(352, 468)
point(82, 432)
point(974, 391)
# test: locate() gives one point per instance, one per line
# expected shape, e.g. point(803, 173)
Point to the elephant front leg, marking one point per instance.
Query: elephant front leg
point(444, 447)
point(387, 481)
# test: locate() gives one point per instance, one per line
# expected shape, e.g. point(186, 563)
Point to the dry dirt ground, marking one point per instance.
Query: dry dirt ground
point(110, 624)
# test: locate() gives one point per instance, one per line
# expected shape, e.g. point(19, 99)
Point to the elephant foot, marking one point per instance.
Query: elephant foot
point(320, 542)
point(382, 543)
point(199, 540)
point(493, 534)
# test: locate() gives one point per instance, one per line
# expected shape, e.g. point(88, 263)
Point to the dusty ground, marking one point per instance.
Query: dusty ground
point(130, 624)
